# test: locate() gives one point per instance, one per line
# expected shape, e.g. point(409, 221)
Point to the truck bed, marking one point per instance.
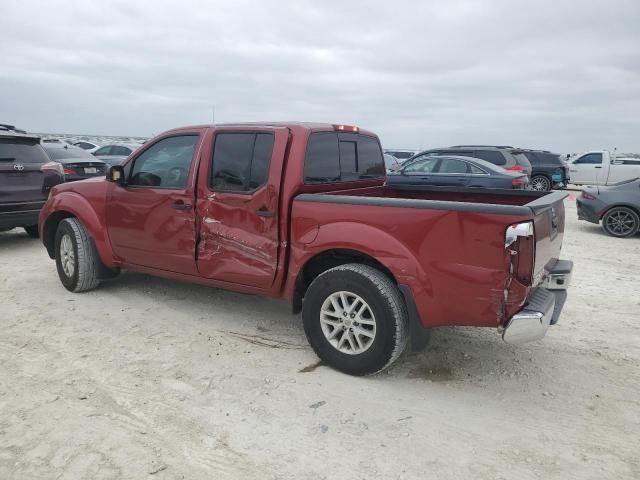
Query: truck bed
point(448, 198)
point(451, 240)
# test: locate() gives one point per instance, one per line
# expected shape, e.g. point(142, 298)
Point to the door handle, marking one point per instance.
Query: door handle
point(264, 213)
point(598, 167)
point(181, 206)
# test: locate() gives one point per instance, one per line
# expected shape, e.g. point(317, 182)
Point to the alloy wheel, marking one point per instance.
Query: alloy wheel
point(348, 323)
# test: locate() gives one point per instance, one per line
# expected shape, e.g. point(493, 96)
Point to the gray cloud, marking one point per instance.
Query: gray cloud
point(561, 75)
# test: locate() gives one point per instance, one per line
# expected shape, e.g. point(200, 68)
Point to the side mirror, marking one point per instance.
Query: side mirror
point(115, 174)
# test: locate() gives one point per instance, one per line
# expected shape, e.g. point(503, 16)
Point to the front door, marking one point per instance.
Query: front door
point(151, 220)
point(238, 205)
point(587, 170)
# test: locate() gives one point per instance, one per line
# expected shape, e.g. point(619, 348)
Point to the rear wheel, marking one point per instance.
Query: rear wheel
point(540, 183)
point(355, 319)
point(621, 222)
point(77, 261)
point(32, 231)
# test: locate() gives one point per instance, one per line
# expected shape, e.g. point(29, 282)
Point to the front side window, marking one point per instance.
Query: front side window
point(590, 159)
point(241, 161)
point(421, 165)
point(165, 164)
point(333, 157)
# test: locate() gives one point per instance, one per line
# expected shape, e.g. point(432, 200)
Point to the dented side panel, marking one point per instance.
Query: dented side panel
point(454, 262)
point(238, 232)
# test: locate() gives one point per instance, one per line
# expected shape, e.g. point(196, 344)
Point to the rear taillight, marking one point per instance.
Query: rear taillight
point(519, 182)
point(519, 243)
point(588, 196)
point(515, 168)
point(70, 171)
point(52, 167)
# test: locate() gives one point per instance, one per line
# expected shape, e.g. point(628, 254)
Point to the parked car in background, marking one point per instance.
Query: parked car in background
point(77, 164)
point(548, 170)
point(509, 158)
point(88, 146)
point(451, 171)
point(114, 154)
point(391, 163)
point(301, 211)
point(600, 167)
point(401, 155)
point(26, 175)
point(616, 206)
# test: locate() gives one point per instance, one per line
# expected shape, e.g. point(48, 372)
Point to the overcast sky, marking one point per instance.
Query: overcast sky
point(559, 75)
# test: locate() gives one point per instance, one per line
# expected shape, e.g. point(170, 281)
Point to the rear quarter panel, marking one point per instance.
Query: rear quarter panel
point(454, 262)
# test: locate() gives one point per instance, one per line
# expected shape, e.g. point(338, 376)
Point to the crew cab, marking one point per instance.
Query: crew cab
point(301, 211)
point(600, 167)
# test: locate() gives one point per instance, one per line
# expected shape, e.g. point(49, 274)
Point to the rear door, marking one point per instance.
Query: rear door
point(238, 205)
point(451, 172)
point(21, 177)
point(587, 169)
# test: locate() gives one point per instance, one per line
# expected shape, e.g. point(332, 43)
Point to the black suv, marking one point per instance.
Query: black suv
point(26, 176)
point(509, 158)
point(549, 171)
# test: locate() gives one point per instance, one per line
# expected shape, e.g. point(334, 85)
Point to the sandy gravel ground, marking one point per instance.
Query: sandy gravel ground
point(145, 378)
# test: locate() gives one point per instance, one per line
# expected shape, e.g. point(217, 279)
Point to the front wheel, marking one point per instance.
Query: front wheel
point(76, 259)
point(621, 222)
point(355, 319)
point(540, 183)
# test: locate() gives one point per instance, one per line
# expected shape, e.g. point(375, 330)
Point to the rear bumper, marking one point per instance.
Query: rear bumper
point(18, 219)
point(542, 308)
point(587, 212)
point(19, 214)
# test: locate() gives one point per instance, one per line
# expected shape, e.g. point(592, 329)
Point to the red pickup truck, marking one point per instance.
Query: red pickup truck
point(301, 211)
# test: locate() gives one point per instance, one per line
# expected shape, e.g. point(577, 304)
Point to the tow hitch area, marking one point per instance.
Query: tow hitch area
point(543, 307)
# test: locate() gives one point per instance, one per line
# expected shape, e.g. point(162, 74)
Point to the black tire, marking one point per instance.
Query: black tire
point(32, 231)
point(540, 183)
point(386, 305)
point(85, 260)
point(621, 222)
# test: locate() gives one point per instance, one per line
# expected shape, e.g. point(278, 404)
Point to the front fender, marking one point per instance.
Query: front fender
point(66, 204)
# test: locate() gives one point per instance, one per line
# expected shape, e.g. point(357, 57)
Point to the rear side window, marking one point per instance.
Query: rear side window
point(333, 157)
point(241, 161)
point(533, 159)
point(450, 165)
point(21, 151)
point(550, 158)
point(491, 156)
point(103, 151)
point(120, 150)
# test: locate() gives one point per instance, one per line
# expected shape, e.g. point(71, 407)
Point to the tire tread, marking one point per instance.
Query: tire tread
point(388, 290)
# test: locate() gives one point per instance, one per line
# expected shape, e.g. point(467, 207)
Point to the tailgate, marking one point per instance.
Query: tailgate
point(548, 221)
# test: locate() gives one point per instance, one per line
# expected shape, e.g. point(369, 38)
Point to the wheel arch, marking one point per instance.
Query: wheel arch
point(70, 204)
point(326, 260)
point(635, 208)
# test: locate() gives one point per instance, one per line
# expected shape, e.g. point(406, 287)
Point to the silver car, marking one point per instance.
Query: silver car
point(115, 154)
